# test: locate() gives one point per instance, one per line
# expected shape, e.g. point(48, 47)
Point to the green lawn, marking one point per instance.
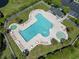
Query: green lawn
point(75, 30)
point(77, 0)
point(56, 2)
point(6, 54)
point(67, 53)
point(40, 50)
point(66, 9)
point(15, 48)
point(14, 6)
point(75, 20)
point(71, 52)
point(23, 16)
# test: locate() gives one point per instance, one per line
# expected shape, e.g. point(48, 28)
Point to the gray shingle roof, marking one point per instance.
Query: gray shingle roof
point(73, 5)
point(66, 2)
point(72, 13)
point(56, 11)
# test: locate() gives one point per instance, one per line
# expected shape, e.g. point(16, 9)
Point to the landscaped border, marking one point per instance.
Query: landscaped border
point(39, 5)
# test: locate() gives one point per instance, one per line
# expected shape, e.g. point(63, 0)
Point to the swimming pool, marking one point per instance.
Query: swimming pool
point(13, 27)
point(60, 35)
point(42, 26)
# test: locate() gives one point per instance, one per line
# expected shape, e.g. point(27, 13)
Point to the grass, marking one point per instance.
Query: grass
point(66, 9)
point(67, 53)
point(23, 16)
point(75, 30)
point(75, 20)
point(40, 50)
point(14, 6)
point(6, 54)
point(16, 49)
point(71, 52)
point(56, 2)
point(77, 0)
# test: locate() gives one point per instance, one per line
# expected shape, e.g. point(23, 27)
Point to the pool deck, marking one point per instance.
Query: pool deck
point(38, 39)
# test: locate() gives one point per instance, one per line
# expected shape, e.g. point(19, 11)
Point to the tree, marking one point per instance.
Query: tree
point(77, 22)
point(26, 52)
point(53, 41)
point(2, 43)
point(20, 21)
point(48, 1)
point(62, 40)
point(50, 53)
point(41, 57)
point(1, 39)
point(3, 3)
point(69, 39)
point(1, 24)
point(1, 15)
point(68, 29)
point(5, 57)
point(8, 30)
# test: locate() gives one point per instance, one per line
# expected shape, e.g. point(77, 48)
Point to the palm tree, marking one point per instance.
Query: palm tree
point(26, 52)
point(8, 30)
point(53, 41)
point(20, 21)
point(68, 29)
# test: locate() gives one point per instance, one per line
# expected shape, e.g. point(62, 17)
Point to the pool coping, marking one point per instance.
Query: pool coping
point(36, 41)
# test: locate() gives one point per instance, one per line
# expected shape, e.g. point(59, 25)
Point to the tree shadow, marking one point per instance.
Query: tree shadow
point(3, 3)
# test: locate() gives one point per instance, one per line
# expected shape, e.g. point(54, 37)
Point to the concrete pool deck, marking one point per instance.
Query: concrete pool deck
point(38, 39)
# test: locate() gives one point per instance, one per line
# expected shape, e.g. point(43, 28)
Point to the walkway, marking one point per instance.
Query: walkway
point(8, 44)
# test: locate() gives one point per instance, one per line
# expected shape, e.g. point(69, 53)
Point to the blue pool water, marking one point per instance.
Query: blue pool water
point(60, 35)
point(42, 26)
